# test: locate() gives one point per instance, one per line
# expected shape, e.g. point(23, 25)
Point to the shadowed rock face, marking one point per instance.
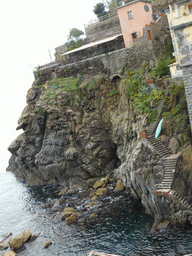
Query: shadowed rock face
point(62, 144)
point(48, 151)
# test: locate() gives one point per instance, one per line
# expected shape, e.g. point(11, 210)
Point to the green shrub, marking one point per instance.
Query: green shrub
point(141, 94)
point(162, 68)
point(41, 110)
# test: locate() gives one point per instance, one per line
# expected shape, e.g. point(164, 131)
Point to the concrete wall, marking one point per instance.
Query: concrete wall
point(187, 78)
point(180, 14)
point(180, 22)
point(181, 32)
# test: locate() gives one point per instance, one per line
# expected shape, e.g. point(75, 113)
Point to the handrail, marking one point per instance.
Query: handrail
point(108, 16)
point(102, 18)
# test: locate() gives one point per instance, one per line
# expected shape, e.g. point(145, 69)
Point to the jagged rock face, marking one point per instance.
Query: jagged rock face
point(73, 144)
point(143, 170)
point(78, 137)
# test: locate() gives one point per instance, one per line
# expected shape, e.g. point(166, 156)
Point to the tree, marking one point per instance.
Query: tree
point(99, 10)
point(74, 39)
point(75, 34)
point(113, 4)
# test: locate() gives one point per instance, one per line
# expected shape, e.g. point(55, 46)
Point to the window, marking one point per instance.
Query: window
point(134, 35)
point(130, 15)
point(190, 8)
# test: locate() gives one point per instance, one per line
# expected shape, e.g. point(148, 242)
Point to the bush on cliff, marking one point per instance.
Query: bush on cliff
point(142, 97)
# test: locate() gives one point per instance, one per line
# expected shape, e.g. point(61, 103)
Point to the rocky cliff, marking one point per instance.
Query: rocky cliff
point(77, 130)
point(73, 135)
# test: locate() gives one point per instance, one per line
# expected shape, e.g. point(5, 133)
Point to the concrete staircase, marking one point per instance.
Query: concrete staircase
point(170, 166)
point(153, 126)
point(170, 162)
point(174, 196)
point(157, 144)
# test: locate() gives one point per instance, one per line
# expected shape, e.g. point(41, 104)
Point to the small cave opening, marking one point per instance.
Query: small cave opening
point(116, 79)
point(117, 160)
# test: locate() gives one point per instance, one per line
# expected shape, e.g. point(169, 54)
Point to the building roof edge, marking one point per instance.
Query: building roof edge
point(133, 3)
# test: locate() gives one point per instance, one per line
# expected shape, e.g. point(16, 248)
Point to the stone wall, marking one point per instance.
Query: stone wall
point(104, 29)
point(60, 50)
point(114, 62)
point(110, 63)
point(187, 78)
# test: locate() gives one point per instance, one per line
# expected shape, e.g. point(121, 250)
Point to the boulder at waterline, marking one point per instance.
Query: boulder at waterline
point(100, 191)
point(92, 216)
point(26, 235)
point(5, 237)
point(10, 253)
point(67, 212)
point(98, 184)
point(3, 246)
point(71, 219)
point(94, 197)
point(47, 244)
point(16, 242)
point(57, 203)
point(119, 186)
point(71, 191)
point(33, 237)
point(63, 191)
point(101, 183)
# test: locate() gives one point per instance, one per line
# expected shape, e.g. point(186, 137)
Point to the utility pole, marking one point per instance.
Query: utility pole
point(50, 56)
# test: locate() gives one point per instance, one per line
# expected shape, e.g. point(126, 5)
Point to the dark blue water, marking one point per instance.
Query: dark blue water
point(124, 230)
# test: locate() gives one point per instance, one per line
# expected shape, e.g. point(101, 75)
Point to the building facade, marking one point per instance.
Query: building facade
point(133, 17)
point(180, 23)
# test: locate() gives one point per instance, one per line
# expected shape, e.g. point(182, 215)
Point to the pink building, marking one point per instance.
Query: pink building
point(133, 17)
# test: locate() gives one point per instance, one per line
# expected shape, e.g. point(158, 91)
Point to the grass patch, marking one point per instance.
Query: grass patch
point(63, 86)
point(113, 92)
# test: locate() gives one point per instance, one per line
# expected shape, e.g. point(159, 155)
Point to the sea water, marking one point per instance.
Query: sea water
point(123, 231)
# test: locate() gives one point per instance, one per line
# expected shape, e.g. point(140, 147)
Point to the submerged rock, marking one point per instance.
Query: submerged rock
point(10, 253)
point(3, 246)
point(47, 244)
point(57, 203)
point(5, 237)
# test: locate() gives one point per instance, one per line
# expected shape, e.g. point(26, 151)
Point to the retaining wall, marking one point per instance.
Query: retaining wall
point(104, 29)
